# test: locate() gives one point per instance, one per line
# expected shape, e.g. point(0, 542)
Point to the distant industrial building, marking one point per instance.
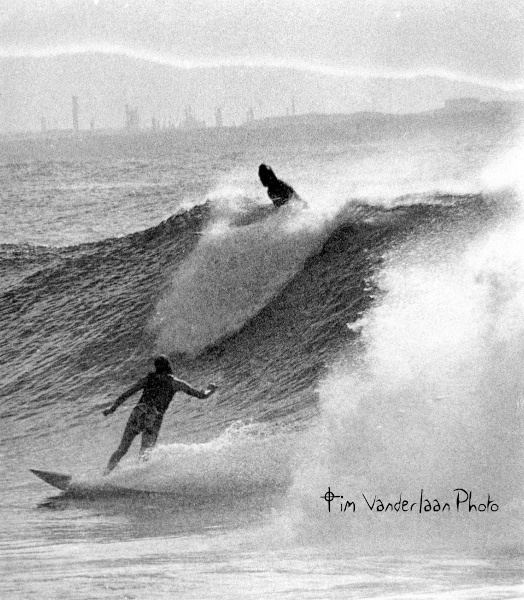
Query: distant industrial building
point(75, 115)
point(132, 119)
point(474, 105)
point(190, 122)
point(218, 117)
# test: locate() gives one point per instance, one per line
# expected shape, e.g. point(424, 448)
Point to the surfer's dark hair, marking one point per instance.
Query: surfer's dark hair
point(266, 175)
point(162, 364)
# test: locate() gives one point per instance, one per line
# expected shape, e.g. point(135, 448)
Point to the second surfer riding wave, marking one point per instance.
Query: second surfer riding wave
point(158, 387)
point(279, 191)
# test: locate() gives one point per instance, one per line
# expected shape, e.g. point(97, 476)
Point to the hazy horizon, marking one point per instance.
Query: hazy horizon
point(162, 56)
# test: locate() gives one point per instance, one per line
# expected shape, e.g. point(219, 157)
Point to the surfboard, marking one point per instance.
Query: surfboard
point(57, 480)
point(86, 489)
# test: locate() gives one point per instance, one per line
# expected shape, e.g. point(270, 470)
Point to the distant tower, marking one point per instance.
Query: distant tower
point(218, 117)
point(250, 115)
point(75, 114)
point(190, 122)
point(132, 119)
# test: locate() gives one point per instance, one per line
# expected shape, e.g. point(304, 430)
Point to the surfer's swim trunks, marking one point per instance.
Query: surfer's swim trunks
point(147, 415)
point(146, 420)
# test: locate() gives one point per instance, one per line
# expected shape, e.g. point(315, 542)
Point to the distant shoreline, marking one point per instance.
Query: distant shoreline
point(479, 112)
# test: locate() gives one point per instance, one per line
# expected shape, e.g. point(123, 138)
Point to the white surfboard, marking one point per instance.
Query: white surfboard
point(84, 489)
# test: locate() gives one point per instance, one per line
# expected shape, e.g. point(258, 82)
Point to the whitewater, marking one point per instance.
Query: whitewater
point(368, 349)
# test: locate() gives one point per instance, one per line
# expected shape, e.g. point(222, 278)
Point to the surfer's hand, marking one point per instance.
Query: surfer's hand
point(108, 411)
point(210, 389)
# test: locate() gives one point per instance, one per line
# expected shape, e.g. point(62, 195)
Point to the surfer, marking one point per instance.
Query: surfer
point(279, 191)
point(158, 387)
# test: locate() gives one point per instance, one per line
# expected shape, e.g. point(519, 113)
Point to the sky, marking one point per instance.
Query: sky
point(328, 56)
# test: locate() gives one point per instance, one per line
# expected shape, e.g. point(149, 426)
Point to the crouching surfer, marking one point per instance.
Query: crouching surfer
point(279, 191)
point(158, 387)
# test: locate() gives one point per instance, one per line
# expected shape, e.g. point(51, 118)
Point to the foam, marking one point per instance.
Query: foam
point(245, 458)
point(435, 403)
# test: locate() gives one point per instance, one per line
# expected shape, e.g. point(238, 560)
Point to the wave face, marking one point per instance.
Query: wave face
point(263, 307)
point(81, 316)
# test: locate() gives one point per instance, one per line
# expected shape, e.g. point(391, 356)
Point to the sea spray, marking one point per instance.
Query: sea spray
point(245, 458)
point(231, 275)
point(434, 406)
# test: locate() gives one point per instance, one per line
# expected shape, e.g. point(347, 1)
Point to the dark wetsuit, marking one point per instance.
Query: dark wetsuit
point(148, 414)
point(279, 191)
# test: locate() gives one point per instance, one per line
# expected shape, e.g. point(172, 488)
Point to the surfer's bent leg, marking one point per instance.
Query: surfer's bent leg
point(153, 422)
point(133, 428)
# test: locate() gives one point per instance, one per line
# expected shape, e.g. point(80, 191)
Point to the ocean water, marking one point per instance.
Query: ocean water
point(366, 438)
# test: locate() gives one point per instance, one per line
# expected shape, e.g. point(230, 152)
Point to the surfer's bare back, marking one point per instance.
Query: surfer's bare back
point(279, 191)
point(158, 387)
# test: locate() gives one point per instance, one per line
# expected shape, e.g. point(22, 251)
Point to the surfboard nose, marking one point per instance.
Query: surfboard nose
point(57, 480)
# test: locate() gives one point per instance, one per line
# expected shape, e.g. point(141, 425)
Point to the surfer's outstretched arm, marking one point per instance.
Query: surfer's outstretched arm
point(182, 386)
point(139, 385)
